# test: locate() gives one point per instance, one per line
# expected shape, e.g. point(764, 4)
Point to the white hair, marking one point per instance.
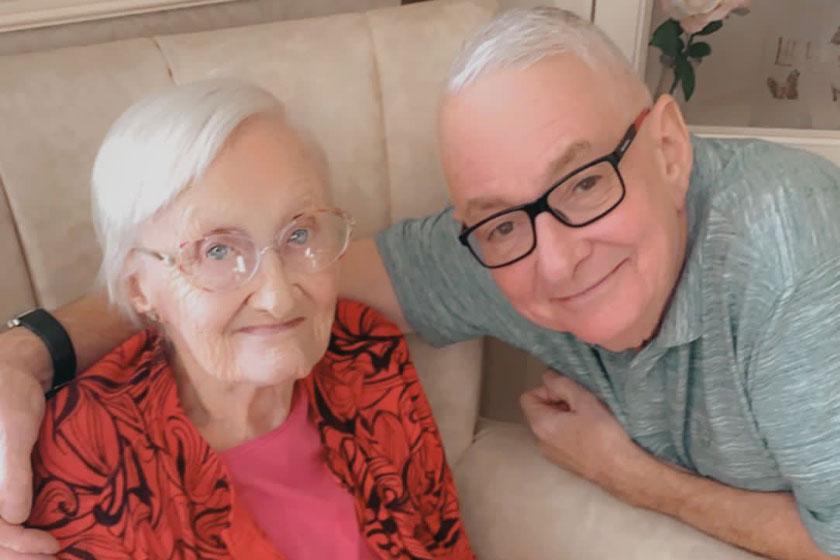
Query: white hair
point(154, 151)
point(521, 37)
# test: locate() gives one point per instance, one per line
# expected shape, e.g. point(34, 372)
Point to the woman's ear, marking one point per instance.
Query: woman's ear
point(673, 145)
point(134, 286)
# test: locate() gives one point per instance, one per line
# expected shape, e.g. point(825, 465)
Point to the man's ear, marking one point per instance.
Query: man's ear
point(673, 145)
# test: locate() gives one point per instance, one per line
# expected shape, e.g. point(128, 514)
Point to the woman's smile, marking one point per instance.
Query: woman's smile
point(271, 329)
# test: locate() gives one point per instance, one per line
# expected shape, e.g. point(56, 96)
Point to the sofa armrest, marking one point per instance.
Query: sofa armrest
point(451, 377)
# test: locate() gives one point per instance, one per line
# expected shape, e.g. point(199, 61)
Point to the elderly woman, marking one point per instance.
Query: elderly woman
point(255, 417)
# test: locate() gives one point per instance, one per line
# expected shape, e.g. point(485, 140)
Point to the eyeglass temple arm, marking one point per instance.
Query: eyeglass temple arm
point(168, 259)
point(631, 134)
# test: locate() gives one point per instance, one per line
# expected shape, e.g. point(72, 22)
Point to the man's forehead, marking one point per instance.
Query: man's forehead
point(516, 188)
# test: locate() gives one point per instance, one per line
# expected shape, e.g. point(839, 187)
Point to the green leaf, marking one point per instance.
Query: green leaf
point(699, 50)
point(667, 38)
point(685, 71)
point(711, 27)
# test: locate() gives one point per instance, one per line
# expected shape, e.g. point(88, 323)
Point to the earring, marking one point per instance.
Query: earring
point(152, 316)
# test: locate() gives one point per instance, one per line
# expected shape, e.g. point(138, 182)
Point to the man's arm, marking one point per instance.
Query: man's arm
point(93, 326)
point(364, 278)
point(25, 372)
point(766, 523)
point(576, 431)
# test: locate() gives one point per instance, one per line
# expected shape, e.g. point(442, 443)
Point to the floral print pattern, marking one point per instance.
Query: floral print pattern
point(121, 472)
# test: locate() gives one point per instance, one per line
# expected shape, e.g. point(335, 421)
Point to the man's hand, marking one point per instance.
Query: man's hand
point(21, 411)
point(18, 543)
point(577, 432)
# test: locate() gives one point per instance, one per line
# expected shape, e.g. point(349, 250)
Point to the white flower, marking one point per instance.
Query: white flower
point(694, 15)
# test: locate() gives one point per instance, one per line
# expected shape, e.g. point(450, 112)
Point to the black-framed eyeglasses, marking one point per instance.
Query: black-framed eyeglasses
point(580, 198)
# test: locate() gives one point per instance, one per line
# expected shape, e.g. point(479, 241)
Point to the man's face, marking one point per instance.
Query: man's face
point(510, 136)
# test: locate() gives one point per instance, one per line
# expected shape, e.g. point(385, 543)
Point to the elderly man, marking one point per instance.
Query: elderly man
point(684, 288)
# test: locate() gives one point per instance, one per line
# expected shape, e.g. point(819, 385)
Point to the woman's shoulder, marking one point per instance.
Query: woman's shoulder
point(113, 445)
point(367, 354)
point(361, 321)
point(140, 353)
point(364, 344)
point(105, 400)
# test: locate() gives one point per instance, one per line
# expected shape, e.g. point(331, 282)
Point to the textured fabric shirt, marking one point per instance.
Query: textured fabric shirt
point(120, 471)
point(284, 482)
point(742, 381)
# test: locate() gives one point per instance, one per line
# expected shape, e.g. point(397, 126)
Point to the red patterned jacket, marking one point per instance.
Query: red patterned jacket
point(120, 472)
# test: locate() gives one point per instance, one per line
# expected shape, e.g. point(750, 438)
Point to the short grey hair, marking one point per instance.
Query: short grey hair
point(521, 37)
point(158, 148)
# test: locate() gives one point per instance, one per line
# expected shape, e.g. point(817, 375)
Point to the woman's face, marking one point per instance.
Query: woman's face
point(276, 325)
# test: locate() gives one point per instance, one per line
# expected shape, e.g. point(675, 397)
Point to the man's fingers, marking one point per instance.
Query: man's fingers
point(560, 388)
point(20, 540)
point(6, 554)
point(541, 411)
point(535, 402)
point(22, 407)
point(535, 396)
point(541, 398)
point(15, 485)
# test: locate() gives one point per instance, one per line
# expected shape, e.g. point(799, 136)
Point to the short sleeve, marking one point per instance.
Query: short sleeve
point(794, 389)
point(445, 295)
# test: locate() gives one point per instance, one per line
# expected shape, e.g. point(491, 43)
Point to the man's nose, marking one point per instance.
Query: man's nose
point(274, 286)
point(559, 248)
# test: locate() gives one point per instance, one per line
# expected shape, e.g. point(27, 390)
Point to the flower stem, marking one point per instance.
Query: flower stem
point(677, 77)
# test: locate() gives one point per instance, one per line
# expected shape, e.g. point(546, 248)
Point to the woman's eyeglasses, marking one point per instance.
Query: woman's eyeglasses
point(226, 261)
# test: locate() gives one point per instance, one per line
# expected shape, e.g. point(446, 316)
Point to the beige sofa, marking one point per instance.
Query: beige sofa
point(367, 86)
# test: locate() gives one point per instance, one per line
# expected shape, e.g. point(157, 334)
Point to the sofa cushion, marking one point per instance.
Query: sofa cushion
point(324, 70)
point(415, 47)
point(54, 109)
point(16, 293)
point(518, 505)
point(451, 377)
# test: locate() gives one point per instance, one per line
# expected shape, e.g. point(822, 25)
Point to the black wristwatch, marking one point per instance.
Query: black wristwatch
point(56, 339)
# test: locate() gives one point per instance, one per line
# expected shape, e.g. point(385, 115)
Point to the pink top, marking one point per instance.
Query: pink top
point(283, 481)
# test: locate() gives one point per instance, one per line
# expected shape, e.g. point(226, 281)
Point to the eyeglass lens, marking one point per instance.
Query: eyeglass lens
point(578, 200)
point(223, 261)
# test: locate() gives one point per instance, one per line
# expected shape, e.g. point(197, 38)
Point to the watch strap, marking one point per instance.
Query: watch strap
point(55, 338)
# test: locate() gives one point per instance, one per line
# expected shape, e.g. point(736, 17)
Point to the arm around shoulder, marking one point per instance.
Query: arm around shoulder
point(94, 328)
point(25, 372)
point(364, 278)
point(77, 465)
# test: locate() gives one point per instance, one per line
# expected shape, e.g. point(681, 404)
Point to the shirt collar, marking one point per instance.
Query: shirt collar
point(683, 319)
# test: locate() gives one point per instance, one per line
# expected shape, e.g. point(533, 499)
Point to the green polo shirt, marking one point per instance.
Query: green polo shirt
point(742, 382)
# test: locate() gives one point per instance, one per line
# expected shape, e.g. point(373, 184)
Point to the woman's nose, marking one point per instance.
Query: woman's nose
point(273, 286)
